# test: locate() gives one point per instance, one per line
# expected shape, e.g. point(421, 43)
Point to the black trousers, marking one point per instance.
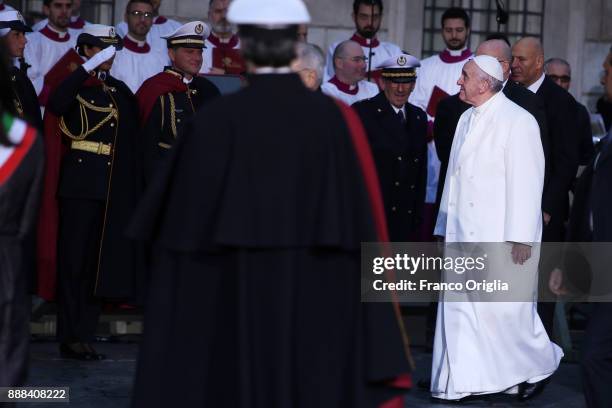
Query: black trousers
point(80, 231)
point(597, 357)
point(553, 232)
point(14, 315)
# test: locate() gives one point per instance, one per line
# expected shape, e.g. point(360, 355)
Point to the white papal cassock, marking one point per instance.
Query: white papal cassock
point(136, 63)
point(43, 49)
point(441, 70)
point(349, 94)
point(162, 26)
point(492, 193)
point(381, 51)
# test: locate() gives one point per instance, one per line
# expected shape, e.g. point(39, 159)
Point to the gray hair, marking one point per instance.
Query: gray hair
point(559, 61)
point(310, 56)
point(495, 85)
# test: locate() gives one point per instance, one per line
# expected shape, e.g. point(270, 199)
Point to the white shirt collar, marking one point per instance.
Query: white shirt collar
point(61, 34)
point(139, 43)
point(403, 109)
point(456, 53)
point(536, 85)
point(187, 81)
point(273, 70)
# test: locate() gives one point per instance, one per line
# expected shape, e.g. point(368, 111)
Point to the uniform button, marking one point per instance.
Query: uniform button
point(409, 211)
point(416, 160)
point(80, 160)
point(108, 163)
point(471, 204)
point(393, 209)
point(110, 105)
point(92, 101)
point(178, 121)
point(399, 158)
point(412, 187)
point(112, 124)
point(397, 183)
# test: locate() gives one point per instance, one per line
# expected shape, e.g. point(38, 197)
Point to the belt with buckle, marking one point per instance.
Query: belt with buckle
point(91, 147)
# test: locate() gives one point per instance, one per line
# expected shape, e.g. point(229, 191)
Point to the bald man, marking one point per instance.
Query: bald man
point(450, 109)
point(349, 84)
point(563, 156)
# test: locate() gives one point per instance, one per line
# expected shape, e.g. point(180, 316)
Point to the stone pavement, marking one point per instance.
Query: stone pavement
point(108, 384)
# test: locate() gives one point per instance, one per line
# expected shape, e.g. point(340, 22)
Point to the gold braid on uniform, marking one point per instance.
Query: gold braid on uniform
point(172, 115)
point(85, 131)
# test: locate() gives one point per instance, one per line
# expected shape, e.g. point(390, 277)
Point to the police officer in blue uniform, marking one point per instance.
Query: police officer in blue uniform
point(397, 134)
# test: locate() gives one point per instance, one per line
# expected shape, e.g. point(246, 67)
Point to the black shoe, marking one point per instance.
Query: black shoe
point(93, 353)
point(68, 352)
point(528, 391)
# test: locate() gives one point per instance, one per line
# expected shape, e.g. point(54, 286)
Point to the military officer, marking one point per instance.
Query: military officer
point(95, 192)
point(25, 101)
point(169, 98)
point(397, 132)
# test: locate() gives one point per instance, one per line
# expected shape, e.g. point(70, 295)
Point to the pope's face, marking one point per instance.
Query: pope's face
point(186, 60)
point(15, 42)
point(397, 93)
point(469, 83)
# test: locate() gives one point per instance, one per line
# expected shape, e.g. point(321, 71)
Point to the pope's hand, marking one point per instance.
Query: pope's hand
point(520, 253)
point(100, 58)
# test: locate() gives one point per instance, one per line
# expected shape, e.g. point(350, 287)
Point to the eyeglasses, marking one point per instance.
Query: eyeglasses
point(562, 78)
point(137, 13)
point(356, 59)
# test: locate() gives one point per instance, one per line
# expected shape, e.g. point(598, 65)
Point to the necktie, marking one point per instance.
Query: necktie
point(23, 65)
point(402, 118)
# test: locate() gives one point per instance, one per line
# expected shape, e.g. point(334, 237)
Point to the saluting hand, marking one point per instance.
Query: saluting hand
point(100, 58)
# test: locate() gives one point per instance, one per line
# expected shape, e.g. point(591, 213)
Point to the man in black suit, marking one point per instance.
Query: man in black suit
point(397, 132)
point(560, 71)
point(451, 108)
point(562, 157)
point(591, 220)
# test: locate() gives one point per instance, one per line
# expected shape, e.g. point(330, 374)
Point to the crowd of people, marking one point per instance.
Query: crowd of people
point(128, 176)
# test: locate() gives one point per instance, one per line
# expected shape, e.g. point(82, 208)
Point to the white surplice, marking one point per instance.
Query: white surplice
point(492, 193)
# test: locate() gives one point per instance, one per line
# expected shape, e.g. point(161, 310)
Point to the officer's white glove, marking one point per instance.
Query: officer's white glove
point(100, 58)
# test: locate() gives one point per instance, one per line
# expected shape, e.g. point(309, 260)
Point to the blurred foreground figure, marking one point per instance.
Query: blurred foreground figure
point(21, 167)
point(256, 221)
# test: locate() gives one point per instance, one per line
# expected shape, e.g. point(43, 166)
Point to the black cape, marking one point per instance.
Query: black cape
point(256, 222)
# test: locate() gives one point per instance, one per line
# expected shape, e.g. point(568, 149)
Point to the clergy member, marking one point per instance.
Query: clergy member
point(367, 16)
point(437, 79)
point(268, 281)
point(162, 26)
point(493, 193)
point(47, 46)
point(76, 24)
point(348, 84)
point(137, 61)
point(221, 39)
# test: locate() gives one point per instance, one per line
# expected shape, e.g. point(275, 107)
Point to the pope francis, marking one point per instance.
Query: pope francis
point(492, 194)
